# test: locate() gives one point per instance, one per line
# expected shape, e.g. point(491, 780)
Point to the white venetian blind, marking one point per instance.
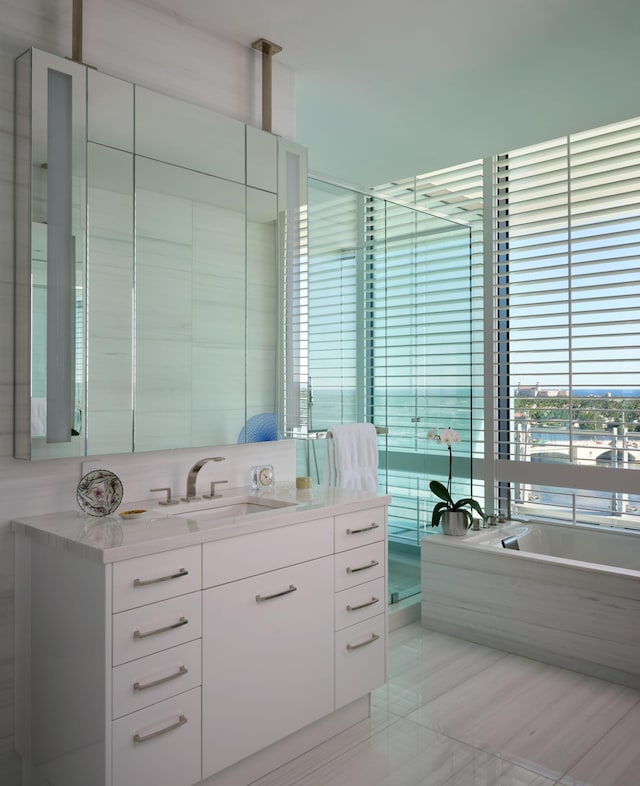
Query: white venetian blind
point(568, 311)
point(335, 296)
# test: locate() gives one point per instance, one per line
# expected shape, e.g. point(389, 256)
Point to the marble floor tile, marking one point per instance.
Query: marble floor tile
point(442, 663)
point(402, 754)
point(459, 714)
point(614, 760)
point(304, 766)
point(582, 713)
point(488, 770)
point(537, 716)
point(486, 709)
point(417, 649)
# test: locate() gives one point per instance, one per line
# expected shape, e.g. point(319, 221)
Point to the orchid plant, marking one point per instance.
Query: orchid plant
point(448, 437)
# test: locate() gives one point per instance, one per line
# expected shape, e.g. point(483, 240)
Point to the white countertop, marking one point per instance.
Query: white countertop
point(163, 528)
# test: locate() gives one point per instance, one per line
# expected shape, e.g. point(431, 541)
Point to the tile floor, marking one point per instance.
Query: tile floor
point(461, 714)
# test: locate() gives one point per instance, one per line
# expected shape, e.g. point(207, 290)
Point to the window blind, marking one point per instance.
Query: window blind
point(335, 368)
point(567, 328)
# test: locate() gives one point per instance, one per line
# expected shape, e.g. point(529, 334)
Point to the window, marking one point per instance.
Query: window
point(561, 303)
point(567, 330)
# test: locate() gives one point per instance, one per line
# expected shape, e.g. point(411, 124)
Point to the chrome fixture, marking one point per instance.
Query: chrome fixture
point(213, 494)
point(193, 476)
point(168, 500)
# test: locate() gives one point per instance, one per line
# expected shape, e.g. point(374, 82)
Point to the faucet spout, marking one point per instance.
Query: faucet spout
point(193, 476)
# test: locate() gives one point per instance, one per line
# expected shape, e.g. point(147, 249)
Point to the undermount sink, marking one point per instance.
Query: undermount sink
point(233, 509)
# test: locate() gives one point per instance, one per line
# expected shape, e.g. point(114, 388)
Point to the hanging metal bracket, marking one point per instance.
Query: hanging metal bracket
point(268, 49)
point(76, 32)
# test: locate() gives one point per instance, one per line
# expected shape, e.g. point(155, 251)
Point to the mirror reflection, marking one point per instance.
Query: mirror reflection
point(190, 307)
point(176, 310)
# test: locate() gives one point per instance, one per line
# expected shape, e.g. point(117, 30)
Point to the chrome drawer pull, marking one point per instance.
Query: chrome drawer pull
point(372, 564)
point(260, 598)
point(182, 621)
point(362, 529)
point(363, 605)
point(374, 637)
point(180, 722)
point(144, 685)
point(143, 582)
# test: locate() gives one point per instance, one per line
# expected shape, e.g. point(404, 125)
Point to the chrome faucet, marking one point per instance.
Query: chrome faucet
point(193, 476)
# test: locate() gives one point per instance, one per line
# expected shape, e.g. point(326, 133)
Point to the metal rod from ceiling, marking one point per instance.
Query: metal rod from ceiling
point(268, 49)
point(76, 32)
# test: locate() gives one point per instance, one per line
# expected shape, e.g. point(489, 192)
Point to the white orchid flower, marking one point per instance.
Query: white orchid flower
point(449, 436)
point(433, 434)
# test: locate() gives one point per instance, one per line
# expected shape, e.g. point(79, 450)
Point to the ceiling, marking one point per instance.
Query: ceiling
point(390, 88)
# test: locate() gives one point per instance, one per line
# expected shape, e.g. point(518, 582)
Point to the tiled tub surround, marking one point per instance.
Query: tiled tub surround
point(188, 646)
point(569, 612)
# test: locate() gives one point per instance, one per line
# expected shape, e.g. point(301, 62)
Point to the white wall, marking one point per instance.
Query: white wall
point(144, 46)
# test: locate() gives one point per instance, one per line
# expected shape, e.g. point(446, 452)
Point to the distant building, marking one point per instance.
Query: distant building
point(535, 391)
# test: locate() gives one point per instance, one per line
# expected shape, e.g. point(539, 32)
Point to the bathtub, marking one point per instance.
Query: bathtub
point(567, 596)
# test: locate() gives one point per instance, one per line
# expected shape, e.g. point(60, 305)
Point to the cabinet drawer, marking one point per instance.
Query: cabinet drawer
point(360, 659)
point(359, 528)
point(359, 565)
point(156, 577)
point(159, 745)
point(359, 603)
point(248, 555)
point(148, 680)
point(140, 632)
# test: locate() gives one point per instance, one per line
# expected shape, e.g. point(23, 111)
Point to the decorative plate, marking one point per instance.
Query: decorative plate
point(99, 492)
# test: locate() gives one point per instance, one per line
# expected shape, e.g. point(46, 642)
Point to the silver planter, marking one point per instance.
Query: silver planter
point(454, 522)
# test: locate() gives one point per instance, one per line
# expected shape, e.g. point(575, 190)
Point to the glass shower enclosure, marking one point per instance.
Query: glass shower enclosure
point(382, 324)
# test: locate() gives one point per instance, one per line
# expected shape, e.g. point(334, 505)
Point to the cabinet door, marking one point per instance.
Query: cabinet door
point(268, 661)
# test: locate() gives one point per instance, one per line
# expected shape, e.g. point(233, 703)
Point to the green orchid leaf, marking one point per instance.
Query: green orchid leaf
point(440, 491)
point(467, 501)
point(438, 509)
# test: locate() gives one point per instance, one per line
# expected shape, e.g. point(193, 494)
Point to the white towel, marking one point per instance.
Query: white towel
point(38, 417)
point(352, 457)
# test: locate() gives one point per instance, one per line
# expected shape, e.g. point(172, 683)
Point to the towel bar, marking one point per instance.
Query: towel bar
point(380, 430)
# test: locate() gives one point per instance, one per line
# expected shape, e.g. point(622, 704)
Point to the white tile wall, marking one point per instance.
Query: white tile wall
point(139, 44)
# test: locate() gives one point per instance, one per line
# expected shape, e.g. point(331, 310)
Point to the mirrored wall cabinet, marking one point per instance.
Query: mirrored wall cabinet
point(152, 241)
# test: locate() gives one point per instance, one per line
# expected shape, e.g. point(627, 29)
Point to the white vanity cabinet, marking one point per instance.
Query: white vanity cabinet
point(360, 603)
point(207, 663)
point(156, 668)
point(267, 639)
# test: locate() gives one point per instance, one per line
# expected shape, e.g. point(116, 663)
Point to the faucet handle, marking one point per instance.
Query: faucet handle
point(168, 500)
point(213, 494)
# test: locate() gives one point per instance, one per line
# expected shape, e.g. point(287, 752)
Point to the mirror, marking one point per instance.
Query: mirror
point(176, 317)
point(190, 323)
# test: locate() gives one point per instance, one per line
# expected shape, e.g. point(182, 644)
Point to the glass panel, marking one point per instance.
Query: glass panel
point(190, 308)
point(390, 343)
point(262, 317)
point(110, 281)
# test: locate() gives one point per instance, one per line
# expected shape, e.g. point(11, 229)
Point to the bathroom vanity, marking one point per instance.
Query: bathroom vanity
point(199, 643)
